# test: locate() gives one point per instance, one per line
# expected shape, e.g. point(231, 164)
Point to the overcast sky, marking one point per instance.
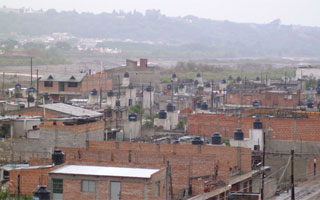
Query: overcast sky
point(302, 12)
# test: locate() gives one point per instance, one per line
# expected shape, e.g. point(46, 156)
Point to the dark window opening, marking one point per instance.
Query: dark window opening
point(48, 84)
point(72, 84)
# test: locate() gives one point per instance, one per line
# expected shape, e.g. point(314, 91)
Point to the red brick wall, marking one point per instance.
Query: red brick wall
point(307, 129)
point(266, 98)
point(98, 80)
point(29, 180)
point(185, 160)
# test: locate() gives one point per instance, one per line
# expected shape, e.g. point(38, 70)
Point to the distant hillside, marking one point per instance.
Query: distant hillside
point(215, 38)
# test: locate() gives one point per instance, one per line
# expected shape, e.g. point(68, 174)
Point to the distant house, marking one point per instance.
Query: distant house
point(64, 86)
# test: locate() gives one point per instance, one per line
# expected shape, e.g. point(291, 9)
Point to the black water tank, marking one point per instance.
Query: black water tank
point(31, 89)
point(216, 139)
point(41, 193)
point(130, 86)
point(204, 106)
point(162, 114)
point(176, 142)
point(223, 81)
point(181, 86)
point(198, 75)
point(255, 103)
point(110, 93)
point(200, 88)
point(126, 75)
point(133, 117)
point(30, 98)
point(17, 86)
point(170, 107)
point(196, 82)
point(199, 104)
point(57, 157)
point(238, 134)
point(46, 96)
point(118, 103)
point(257, 124)
point(174, 75)
point(148, 89)
point(94, 92)
point(207, 85)
point(197, 141)
point(310, 105)
point(169, 86)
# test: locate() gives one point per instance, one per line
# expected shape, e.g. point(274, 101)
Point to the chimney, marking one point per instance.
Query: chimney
point(143, 62)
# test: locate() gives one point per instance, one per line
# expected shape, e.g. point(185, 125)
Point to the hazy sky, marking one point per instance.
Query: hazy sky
point(303, 12)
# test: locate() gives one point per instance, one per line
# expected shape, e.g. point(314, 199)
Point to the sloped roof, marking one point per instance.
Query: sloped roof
point(67, 77)
point(72, 110)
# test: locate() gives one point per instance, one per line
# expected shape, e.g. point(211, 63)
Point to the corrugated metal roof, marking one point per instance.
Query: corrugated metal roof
point(88, 170)
point(75, 77)
point(72, 110)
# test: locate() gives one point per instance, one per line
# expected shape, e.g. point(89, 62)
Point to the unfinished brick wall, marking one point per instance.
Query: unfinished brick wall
point(266, 98)
point(97, 81)
point(78, 128)
point(301, 129)
point(186, 160)
point(29, 180)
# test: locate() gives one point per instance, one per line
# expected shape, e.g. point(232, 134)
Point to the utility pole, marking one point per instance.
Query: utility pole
point(37, 83)
point(141, 103)
point(31, 72)
point(3, 84)
point(292, 175)
point(150, 100)
point(212, 98)
point(100, 97)
point(263, 164)
point(285, 80)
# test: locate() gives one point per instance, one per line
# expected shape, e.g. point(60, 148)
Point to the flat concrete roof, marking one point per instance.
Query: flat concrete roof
point(88, 170)
point(72, 110)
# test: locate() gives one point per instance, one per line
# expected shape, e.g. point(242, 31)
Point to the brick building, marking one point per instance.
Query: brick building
point(64, 87)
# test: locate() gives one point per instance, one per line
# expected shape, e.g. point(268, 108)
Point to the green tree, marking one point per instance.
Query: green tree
point(137, 109)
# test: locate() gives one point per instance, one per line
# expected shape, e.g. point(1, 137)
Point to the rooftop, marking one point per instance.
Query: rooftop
point(71, 110)
point(75, 77)
point(88, 170)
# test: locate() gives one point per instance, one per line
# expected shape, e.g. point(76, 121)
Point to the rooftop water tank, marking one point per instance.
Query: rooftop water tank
point(196, 82)
point(223, 81)
point(94, 92)
point(162, 114)
point(31, 90)
point(133, 117)
point(170, 107)
point(57, 157)
point(169, 86)
point(199, 104)
point(238, 134)
point(181, 85)
point(207, 85)
point(174, 75)
point(110, 93)
point(216, 138)
point(41, 193)
point(255, 103)
point(176, 142)
point(130, 86)
point(118, 103)
point(310, 105)
point(204, 106)
point(198, 75)
point(148, 89)
point(197, 141)
point(257, 124)
point(17, 86)
point(126, 75)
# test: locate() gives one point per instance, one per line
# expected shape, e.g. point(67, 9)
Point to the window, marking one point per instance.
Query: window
point(88, 186)
point(157, 190)
point(57, 186)
point(72, 84)
point(48, 84)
